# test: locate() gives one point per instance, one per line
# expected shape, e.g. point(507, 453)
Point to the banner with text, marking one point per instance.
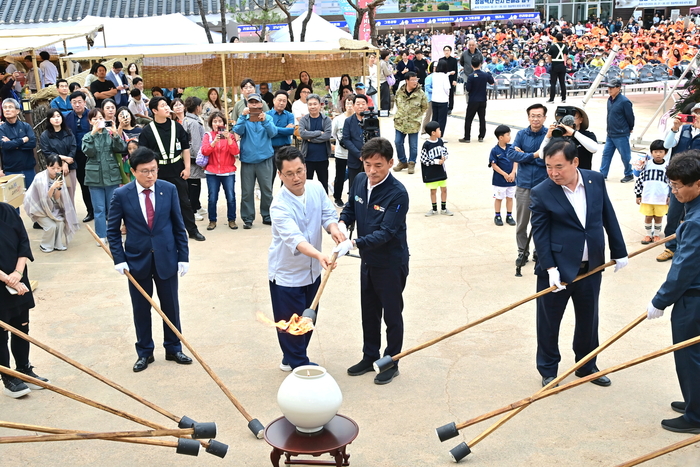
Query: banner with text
point(502, 4)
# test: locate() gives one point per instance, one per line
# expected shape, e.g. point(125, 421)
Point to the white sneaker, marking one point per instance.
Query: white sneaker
point(103, 240)
point(198, 217)
point(430, 213)
point(285, 367)
point(446, 212)
point(202, 212)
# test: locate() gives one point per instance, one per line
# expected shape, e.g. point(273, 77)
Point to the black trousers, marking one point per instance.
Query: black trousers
point(550, 311)
point(352, 173)
point(685, 324)
point(385, 90)
point(81, 160)
point(194, 187)
point(381, 293)
point(676, 213)
point(19, 347)
point(185, 206)
point(320, 168)
point(553, 77)
point(451, 101)
point(339, 182)
point(169, 303)
point(474, 108)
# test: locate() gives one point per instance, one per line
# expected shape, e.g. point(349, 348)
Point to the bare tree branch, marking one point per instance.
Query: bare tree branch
point(204, 21)
point(285, 10)
point(223, 8)
point(307, 19)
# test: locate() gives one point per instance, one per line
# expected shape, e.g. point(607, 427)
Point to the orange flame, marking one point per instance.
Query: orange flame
point(296, 325)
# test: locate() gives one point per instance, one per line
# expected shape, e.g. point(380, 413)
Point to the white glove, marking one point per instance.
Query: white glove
point(621, 263)
point(555, 279)
point(343, 229)
point(121, 268)
point(182, 268)
point(343, 247)
point(653, 312)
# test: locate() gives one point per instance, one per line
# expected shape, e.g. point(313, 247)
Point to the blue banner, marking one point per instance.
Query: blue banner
point(349, 14)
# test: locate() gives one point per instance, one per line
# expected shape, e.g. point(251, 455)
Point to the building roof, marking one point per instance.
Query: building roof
point(36, 11)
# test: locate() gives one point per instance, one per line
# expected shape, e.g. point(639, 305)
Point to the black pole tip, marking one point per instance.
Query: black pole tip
point(309, 313)
point(383, 364)
point(186, 422)
point(188, 447)
point(446, 432)
point(204, 430)
point(460, 451)
point(257, 428)
point(217, 448)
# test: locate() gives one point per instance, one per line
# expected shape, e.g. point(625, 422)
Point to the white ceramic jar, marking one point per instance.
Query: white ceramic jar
point(309, 398)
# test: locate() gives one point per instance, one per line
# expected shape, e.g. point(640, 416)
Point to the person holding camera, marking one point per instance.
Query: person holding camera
point(256, 129)
point(49, 205)
point(574, 127)
point(102, 174)
point(680, 138)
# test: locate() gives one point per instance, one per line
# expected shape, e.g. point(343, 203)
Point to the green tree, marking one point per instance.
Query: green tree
point(260, 18)
point(443, 6)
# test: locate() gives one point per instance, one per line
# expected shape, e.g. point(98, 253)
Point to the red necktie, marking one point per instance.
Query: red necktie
point(150, 213)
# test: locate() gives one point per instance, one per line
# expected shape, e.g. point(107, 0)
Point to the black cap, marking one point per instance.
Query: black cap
point(614, 83)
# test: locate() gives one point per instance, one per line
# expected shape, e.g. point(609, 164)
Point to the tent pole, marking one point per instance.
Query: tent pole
point(379, 79)
point(234, 93)
point(104, 38)
point(223, 71)
point(39, 84)
point(64, 65)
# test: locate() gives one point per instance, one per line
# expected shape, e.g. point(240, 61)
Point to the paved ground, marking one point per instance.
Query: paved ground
point(461, 269)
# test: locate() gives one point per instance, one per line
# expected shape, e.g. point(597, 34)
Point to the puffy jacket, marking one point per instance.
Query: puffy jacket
point(256, 139)
point(17, 155)
point(531, 170)
point(620, 116)
point(101, 168)
point(222, 157)
point(410, 110)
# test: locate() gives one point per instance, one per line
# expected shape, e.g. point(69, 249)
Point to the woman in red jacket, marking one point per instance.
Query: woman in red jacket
point(221, 148)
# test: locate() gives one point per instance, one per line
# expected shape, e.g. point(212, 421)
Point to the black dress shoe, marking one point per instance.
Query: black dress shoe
point(680, 425)
point(197, 236)
point(678, 406)
point(387, 376)
point(178, 357)
point(88, 218)
point(602, 381)
point(548, 379)
point(520, 261)
point(360, 368)
point(267, 222)
point(142, 363)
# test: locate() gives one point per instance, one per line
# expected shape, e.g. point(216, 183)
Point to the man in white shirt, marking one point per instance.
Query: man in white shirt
point(570, 210)
point(49, 69)
point(299, 215)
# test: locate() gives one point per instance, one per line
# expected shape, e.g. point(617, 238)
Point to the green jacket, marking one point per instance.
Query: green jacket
point(101, 168)
point(410, 110)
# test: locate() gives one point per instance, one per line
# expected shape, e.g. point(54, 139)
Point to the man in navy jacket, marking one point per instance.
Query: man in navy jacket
point(77, 121)
point(378, 203)
point(17, 140)
point(570, 211)
point(620, 126)
point(353, 137)
point(155, 250)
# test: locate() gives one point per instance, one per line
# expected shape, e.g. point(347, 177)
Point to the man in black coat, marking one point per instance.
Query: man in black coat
point(476, 87)
point(451, 66)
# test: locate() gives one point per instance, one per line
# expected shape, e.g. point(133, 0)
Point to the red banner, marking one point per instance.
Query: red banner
point(365, 33)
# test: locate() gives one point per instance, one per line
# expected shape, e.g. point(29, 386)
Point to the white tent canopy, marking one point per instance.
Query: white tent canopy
point(174, 29)
point(317, 30)
point(13, 41)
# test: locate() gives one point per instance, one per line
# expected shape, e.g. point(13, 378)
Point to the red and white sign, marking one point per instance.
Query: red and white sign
point(365, 32)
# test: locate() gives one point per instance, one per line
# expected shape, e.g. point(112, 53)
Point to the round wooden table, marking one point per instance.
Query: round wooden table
point(336, 435)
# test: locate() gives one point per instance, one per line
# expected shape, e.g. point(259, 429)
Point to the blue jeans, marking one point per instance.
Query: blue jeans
point(412, 146)
point(28, 179)
point(622, 144)
point(101, 196)
point(213, 184)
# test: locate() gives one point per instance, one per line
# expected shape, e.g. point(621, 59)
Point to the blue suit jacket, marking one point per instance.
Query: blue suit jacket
point(353, 139)
point(559, 235)
point(167, 241)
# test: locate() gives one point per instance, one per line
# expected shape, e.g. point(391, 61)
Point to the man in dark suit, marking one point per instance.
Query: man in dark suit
point(79, 125)
point(378, 202)
point(353, 137)
point(476, 104)
point(452, 66)
point(570, 209)
point(155, 250)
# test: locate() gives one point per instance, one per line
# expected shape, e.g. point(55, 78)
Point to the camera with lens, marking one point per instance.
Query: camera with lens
point(565, 116)
point(370, 124)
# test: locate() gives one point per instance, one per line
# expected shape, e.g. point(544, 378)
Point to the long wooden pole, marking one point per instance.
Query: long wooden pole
point(561, 377)
point(85, 400)
point(661, 452)
point(90, 372)
point(223, 72)
point(95, 435)
point(46, 429)
point(324, 281)
point(552, 391)
point(257, 428)
point(520, 302)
